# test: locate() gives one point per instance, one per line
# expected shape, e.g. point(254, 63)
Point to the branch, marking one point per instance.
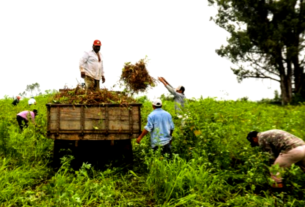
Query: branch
point(256, 62)
point(265, 77)
point(265, 68)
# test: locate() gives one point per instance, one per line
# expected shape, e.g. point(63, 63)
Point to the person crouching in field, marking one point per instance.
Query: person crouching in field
point(16, 100)
point(285, 148)
point(32, 101)
point(161, 127)
point(23, 118)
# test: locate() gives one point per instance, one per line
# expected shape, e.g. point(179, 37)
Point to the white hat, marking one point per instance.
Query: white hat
point(157, 102)
point(179, 88)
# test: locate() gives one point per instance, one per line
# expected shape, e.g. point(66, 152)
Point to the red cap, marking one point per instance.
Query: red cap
point(97, 43)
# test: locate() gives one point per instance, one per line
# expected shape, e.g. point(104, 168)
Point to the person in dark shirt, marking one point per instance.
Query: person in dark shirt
point(16, 100)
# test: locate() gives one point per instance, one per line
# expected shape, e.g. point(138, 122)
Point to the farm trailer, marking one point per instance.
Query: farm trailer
point(94, 133)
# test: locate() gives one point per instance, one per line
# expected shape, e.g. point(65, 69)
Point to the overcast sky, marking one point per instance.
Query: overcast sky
point(42, 41)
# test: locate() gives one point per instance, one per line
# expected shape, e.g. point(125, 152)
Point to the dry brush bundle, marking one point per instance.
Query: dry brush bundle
point(136, 77)
point(79, 96)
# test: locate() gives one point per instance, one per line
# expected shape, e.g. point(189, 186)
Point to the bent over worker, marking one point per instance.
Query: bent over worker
point(285, 148)
point(16, 100)
point(32, 101)
point(91, 67)
point(161, 127)
point(178, 94)
point(23, 118)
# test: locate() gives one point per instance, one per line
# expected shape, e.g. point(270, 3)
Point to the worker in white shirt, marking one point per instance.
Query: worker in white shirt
point(178, 94)
point(91, 67)
point(32, 101)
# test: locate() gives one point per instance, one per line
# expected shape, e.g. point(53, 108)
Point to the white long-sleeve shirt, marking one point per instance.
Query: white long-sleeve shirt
point(178, 97)
point(89, 63)
point(31, 101)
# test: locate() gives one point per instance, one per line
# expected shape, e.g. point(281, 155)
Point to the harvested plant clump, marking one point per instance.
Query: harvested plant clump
point(136, 77)
point(79, 96)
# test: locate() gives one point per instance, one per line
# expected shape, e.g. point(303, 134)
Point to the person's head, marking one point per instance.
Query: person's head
point(32, 97)
point(96, 46)
point(18, 97)
point(35, 112)
point(180, 89)
point(253, 139)
point(157, 103)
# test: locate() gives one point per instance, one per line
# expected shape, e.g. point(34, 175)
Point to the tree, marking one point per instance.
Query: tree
point(33, 87)
point(30, 88)
point(266, 41)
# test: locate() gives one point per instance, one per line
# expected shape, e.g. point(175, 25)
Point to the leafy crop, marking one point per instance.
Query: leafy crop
point(79, 96)
point(213, 164)
point(136, 77)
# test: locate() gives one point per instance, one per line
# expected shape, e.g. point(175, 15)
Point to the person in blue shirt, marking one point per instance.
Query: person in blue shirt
point(161, 127)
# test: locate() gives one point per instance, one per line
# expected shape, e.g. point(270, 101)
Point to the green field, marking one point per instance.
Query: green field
point(213, 164)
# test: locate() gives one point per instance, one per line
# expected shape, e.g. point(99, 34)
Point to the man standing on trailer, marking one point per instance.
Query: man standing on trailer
point(161, 127)
point(91, 67)
point(285, 149)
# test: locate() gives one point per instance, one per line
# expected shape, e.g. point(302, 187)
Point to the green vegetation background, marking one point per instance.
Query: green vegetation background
point(213, 164)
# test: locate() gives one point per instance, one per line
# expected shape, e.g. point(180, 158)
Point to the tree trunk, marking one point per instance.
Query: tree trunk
point(286, 89)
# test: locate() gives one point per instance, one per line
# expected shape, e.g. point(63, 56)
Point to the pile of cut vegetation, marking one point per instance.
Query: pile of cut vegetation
point(136, 77)
point(79, 96)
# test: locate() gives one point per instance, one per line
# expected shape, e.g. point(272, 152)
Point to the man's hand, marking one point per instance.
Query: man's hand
point(144, 132)
point(161, 80)
point(103, 79)
point(165, 81)
point(277, 185)
point(82, 74)
point(139, 140)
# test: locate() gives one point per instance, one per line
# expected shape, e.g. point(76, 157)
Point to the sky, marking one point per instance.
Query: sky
point(43, 41)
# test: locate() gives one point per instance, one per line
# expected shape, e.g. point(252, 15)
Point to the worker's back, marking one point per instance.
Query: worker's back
point(32, 101)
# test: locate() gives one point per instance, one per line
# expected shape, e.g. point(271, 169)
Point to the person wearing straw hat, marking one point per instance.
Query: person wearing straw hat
point(23, 118)
point(161, 127)
point(16, 100)
point(178, 94)
point(91, 67)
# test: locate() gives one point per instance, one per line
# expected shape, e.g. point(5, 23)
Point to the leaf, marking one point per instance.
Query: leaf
point(197, 133)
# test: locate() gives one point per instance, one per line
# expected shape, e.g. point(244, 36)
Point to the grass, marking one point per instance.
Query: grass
point(213, 164)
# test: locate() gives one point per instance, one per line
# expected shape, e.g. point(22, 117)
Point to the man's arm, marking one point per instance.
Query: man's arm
point(168, 86)
point(266, 147)
point(102, 68)
point(171, 133)
point(31, 114)
point(82, 63)
point(144, 132)
point(172, 127)
point(162, 80)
